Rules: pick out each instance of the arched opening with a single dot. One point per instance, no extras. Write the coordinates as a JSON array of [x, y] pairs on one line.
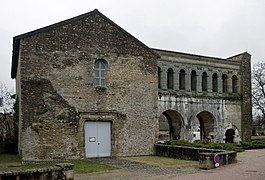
[[234, 83], [229, 135], [193, 80], [204, 81], [170, 124], [170, 78], [159, 76], [182, 79], [215, 82], [100, 72], [224, 79], [206, 126]]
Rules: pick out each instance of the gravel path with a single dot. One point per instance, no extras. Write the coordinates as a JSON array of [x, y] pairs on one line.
[[132, 170], [251, 165]]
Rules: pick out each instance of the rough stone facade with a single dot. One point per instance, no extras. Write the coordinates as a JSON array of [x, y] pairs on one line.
[[211, 99], [60, 88], [57, 91]]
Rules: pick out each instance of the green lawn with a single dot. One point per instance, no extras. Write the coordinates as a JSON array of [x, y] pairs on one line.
[[13, 162], [258, 137]]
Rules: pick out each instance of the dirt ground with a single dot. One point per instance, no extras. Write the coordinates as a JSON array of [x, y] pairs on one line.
[[251, 165]]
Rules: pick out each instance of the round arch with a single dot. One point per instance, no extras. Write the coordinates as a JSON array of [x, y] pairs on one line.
[[232, 134], [206, 125], [170, 125], [229, 135]]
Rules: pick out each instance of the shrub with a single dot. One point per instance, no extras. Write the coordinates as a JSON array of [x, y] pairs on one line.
[[222, 146]]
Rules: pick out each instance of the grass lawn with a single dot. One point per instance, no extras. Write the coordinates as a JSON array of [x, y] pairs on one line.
[[164, 161], [257, 137], [12, 162]]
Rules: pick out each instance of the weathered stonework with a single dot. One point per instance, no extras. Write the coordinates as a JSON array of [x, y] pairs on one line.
[[56, 87], [213, 112], [58, 92]]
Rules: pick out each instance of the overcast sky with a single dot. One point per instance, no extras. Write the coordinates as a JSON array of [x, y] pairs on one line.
[[219, 28]]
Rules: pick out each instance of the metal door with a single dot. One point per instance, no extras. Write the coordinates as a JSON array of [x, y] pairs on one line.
[[97, 139]]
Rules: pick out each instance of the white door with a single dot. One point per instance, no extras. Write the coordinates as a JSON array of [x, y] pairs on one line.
[[97, 139]]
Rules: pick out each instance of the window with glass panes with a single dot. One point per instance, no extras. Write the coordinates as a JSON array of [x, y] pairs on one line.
[[100, 73]]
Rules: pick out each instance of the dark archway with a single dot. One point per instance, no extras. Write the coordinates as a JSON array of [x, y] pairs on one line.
[[215, 82], [224, 79], [170, 78], [234, 84], [204, 81], [206, 120], [170, 124], [159, 77], [229, 135], [193, 80], [182, 79]]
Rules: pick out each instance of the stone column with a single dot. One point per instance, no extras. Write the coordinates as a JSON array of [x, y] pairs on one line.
[[188, 82], [164, 78], [176, 79], [199, 83]]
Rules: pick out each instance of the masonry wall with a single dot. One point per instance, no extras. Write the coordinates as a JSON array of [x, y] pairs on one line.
[[58, 92], [223, 111], [230, 109]]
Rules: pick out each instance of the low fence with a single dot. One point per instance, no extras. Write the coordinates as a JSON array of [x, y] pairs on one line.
[[208, 158], [63, 171]]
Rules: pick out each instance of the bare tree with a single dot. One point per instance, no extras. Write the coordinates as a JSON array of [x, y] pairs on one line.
[[258, 89], [8, 124], [6, 100], [7, 127]]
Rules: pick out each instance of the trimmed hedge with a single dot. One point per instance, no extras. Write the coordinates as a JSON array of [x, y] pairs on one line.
[[254, 144]]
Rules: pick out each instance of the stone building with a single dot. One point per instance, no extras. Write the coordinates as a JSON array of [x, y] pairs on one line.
[[87, 88], [204, 98]]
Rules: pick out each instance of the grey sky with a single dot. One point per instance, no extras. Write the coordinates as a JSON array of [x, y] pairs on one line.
[[219, 28]]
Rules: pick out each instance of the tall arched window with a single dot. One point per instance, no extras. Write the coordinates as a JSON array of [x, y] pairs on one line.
[[100, 72], [234, 84], [204, 81], [215, 82], [170, 78], [182, 79], [224, 79], [193, 80], [159, 77]]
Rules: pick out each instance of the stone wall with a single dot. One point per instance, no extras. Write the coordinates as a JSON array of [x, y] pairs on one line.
[[61, 171], [227, 101], [58, 84], [203, 155], [223, 112], [246, 97]]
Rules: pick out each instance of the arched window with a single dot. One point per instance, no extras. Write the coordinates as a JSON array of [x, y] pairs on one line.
[[204, 81], [193, 80], [234, 84], [215, 82], [170, 78], [159, 77], [182, 79], [100, 72], [224, 79]]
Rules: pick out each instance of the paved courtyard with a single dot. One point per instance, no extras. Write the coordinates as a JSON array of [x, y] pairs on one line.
[[251, 165]]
